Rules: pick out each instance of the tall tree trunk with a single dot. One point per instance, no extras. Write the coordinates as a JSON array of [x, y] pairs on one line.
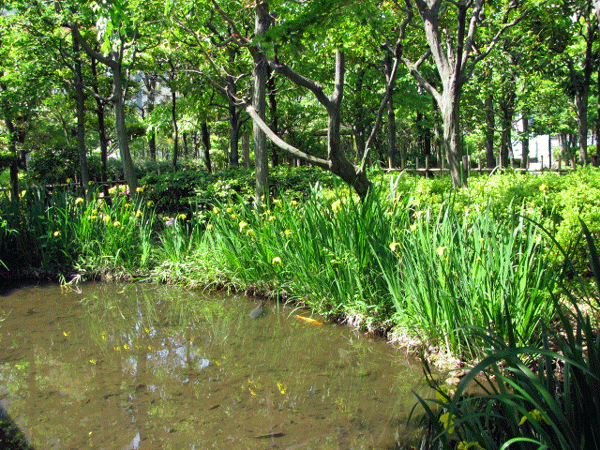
[[175, 129], [450, 118], [150, 83], [490, 121], [507, 107], [525, 139], [80, 96], [246, 149], [122, 135], [100, 105], [261, 25], [391, 114], [206, 146], [274, 119], [234, 134]]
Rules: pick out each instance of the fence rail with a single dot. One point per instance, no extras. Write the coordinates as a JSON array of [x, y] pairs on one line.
[[469, 167]]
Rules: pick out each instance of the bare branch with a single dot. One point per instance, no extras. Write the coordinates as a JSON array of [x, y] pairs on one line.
[[319, 162]]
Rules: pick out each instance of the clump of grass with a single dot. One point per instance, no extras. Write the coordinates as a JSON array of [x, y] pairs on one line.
[[528, 397], [448, 272]]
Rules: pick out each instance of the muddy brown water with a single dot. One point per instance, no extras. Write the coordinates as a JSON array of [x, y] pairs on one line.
[[107, 366]]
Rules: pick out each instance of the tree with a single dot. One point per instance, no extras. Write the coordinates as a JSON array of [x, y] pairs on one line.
[[455, 53]]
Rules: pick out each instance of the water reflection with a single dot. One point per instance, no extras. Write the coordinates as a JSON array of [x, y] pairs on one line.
[[152, 367]]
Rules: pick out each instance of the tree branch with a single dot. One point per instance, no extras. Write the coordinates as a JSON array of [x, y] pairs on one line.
[[319, 162]]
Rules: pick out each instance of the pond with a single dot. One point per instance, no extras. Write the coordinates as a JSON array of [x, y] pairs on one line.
[[143, 366]]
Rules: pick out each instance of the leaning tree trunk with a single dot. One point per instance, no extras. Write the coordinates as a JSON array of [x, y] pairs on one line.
[[525, 140]]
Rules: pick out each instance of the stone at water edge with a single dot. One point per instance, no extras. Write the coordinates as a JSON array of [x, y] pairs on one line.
[[256, 312]]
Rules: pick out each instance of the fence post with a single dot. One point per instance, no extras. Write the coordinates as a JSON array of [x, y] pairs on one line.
[[465, 161], [427, 167], [479, 165]]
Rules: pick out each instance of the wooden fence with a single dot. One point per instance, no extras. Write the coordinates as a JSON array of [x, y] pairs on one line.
[[469, 167]]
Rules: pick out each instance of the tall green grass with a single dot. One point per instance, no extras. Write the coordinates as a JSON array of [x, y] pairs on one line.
[[436, 275], [455, 271], [56, 231], [545, 397]]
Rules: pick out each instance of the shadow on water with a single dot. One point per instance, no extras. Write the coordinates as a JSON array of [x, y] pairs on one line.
[[155, 367], [11, 437]]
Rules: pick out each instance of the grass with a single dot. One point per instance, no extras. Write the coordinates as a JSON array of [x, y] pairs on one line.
[[545, 396]]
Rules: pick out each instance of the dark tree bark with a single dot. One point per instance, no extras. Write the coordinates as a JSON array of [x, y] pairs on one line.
[[507, 109], [175, 129], [271, 87], [581, 82], [80, 97], [490, 121], [102, 136], [150, 81], [206, 146], [391, 115], [525, 139], [262, 20]]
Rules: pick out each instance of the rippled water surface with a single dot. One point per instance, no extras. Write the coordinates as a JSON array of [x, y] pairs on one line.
[[110, 366]]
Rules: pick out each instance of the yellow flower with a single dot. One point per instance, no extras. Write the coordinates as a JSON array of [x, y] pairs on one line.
[[294, 203], [536, 415], [229, 210], [448, 421], [92, 361], [139, 190], [288, 233], [69, 180], [209, 227], [150, 203], [56, 233], [22, 194], [243, 225], [91, 183], [544, 187], [126, 347], [182, 216], [78, 201], [116, 224], [250, 232], [106, 219], [281, 388], [464, 445], [442, 250], [445, 393], [394, 246], [276, 260], [216, 210], [336, 206], [127, 205], [277, 202], [138, 213]]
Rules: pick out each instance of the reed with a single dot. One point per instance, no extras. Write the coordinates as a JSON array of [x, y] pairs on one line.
[[545, 396], [456, 271]]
